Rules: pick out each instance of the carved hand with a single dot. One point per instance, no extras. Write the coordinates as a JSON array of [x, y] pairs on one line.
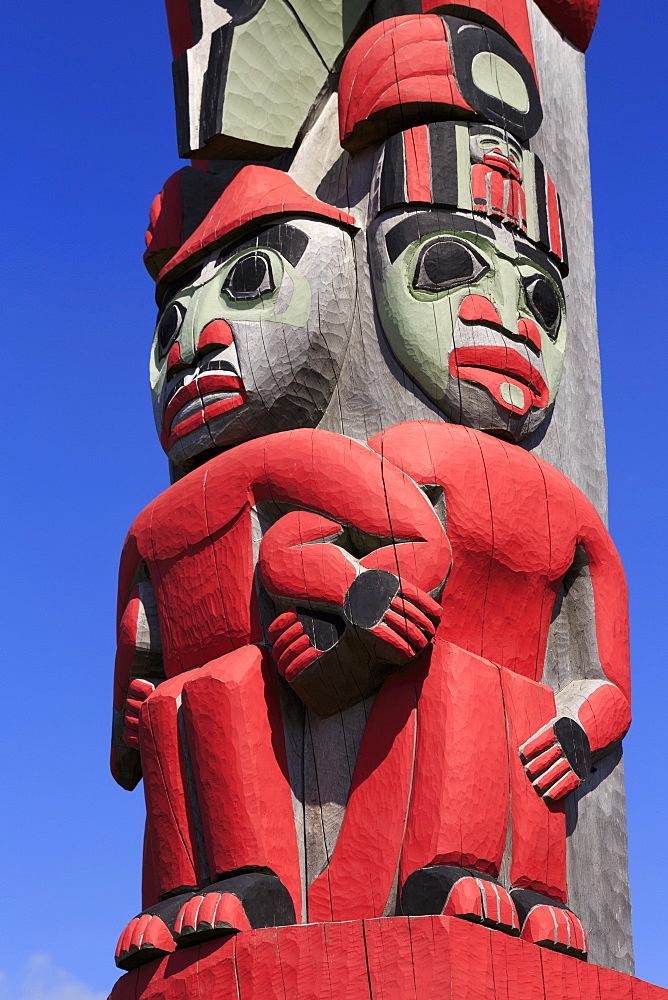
[[557, 758], [138, 692]]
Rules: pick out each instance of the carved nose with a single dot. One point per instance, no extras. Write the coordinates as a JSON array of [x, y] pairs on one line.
[[478, 309], [218, 333]]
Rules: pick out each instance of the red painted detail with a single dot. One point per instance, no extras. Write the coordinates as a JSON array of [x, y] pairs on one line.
[[173, 358], [200, 385], [180, 26], [396, 958], [217, 333], [575, 19], [604, 715], [478, 309], [494, 366], [483, 902], [554, 218], [145, 939], [502, 163], [163, 236], [418, 164], [497, 194], [555, 928], [479, 193], [510, 15], [399, 62], [527, 328], [255, 192], [211, 911]]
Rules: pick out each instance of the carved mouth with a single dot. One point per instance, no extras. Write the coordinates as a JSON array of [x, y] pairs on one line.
[[499, 370], [209, 394]]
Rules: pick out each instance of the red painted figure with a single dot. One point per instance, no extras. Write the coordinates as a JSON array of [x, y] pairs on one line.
[[518, 529], [208, 738]]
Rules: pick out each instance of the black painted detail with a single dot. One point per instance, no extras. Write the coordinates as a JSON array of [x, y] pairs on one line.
[[467, 40], [369, 597], [241, 10], [393, 175], [544, 304], [266, 901], [214, 85], [169, 327], [575, 744], [250, 278], [181, 102], [446, 263], [421, 224], [323, 629], [287, 240], [526, 899], [444, 166], [426, 891]]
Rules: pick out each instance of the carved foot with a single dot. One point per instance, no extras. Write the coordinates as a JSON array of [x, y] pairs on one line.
[[149, 935], [460, 892], [550, 924], [242, 902]]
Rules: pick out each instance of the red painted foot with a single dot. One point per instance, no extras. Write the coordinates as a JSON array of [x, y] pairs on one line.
[[460, 892], [550, 924], [145, 938], [210, 915], [483, 902]]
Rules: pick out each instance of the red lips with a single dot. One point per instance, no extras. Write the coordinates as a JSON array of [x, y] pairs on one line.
[[201, 386], [494, 366]]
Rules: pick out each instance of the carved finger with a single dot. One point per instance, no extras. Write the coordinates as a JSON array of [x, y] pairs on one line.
[[280, 624], [538, 743], [552, 775], [389, 636], [568, 783], [540, 763], [285, 639], [403, 606], [402, 626]]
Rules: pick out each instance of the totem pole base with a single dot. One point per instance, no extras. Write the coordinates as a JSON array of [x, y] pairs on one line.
[[394, 958]]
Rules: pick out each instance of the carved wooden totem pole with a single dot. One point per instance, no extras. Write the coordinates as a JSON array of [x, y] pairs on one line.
[[373, 645]]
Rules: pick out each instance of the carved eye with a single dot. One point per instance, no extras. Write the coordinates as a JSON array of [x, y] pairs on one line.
[[169, 326], [447, 263], [544, 304], [250, 278]]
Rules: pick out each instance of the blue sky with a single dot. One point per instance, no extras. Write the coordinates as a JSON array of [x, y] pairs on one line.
[[88, 140]]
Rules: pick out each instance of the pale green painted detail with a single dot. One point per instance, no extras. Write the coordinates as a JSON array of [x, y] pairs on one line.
[[463, 146], [274, 76], [529, 186], [496, 77], [329, 23], [207, 302], [419, 325], [512, 394]]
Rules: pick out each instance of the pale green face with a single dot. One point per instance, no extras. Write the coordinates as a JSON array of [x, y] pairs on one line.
[[476, 317], [251, 342]]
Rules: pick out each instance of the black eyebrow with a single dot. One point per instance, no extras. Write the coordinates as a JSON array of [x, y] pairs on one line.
[[287, 240], [536, 256], [423, 223]]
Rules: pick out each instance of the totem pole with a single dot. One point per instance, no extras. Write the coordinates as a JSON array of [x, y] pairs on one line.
[[373, 640]]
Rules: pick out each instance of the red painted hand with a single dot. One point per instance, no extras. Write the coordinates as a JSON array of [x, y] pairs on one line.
[[556, 758], [138, 692]]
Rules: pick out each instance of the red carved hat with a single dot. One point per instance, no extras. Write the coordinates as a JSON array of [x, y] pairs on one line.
[[418, 68], [251, 199]]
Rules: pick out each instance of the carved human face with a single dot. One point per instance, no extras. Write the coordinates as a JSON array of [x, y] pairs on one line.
[[251, 342], [475, 315]]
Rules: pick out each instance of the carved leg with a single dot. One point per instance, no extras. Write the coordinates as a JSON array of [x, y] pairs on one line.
[[234, 732], [460, 798]]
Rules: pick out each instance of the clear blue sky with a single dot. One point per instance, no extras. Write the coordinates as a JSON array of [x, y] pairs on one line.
[[88, 139]]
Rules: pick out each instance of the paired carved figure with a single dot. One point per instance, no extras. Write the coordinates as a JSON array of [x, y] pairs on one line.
[[293, 571]]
